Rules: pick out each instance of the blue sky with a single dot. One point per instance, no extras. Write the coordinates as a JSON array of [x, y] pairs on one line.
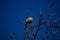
[[14, 12]]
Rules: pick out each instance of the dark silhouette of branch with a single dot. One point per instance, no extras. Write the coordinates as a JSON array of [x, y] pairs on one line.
[[26, 31], [39, 24]]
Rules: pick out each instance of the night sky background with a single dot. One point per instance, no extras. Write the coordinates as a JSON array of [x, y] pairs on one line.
[[14, 12]]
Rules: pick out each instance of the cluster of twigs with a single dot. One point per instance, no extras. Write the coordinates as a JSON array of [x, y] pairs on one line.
[[30, 34], [50, 25], [11, 36]]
